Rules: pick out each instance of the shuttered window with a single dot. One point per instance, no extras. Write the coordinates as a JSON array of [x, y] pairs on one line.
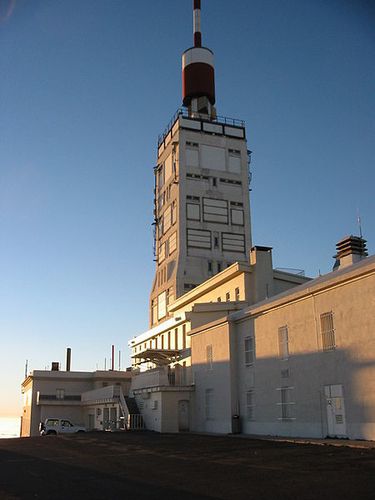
[[283, 342], [249, 350], [327, 331]]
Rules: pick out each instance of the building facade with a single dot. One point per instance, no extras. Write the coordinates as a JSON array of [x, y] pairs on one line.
[[235, 345]]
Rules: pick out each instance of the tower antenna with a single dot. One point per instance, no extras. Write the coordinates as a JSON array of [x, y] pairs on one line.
[[197, 34], [359, 222]]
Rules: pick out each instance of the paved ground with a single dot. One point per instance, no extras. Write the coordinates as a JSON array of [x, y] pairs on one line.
[[147, 466]]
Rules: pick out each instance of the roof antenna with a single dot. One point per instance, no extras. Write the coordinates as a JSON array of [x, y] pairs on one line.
[[359, 223]]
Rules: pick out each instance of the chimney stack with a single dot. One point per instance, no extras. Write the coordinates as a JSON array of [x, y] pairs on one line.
[[350, 250], [68, 358]]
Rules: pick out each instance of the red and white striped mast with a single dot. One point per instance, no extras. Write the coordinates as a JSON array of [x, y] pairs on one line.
[[197, 24], [198, 73]]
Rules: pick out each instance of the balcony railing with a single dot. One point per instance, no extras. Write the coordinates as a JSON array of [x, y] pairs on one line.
[[222, 120], [54, 399], [163, 377], [109, 393]]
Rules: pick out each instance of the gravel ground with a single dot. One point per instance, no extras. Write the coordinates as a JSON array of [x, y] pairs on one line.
[[146, 466]]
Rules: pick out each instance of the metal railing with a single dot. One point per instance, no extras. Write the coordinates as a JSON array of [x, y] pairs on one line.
[[184, 112], [135, 422]]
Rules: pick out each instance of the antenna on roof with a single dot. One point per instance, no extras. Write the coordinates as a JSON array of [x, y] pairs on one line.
[[359, 222], [26, 367]]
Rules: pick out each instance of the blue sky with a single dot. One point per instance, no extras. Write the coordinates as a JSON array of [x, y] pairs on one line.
[[86, 87]]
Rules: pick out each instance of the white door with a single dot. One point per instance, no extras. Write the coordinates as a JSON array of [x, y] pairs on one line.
[[336, 419], [183, 416]]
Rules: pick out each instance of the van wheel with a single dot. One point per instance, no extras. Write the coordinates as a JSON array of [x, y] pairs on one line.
[[80, 432], [51, 433]]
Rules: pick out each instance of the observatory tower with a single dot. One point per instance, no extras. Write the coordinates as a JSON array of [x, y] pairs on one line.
[[201, 206]]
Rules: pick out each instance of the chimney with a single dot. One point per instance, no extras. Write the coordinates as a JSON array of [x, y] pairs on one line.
[[68, 358], [350, 250], [55, 366]]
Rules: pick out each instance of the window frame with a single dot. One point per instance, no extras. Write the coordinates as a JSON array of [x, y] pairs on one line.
[[249, 354]]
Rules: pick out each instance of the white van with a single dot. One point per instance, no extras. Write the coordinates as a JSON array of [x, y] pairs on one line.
[[59, 426]]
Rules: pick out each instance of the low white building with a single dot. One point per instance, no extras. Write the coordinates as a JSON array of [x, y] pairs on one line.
[[94, 399]]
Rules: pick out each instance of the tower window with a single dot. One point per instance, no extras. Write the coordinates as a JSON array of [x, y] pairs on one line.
[[193, 211], [215, 210], [210, 266]]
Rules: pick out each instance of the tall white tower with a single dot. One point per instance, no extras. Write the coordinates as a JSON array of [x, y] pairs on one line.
[[202, 209]]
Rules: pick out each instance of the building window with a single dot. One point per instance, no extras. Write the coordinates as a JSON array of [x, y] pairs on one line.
[[283, 342], [162, 305], [227, 297], [209, 266], [216, 242], [60, 394], [174, 212], [209, 403], [219, 267], [199, 238], [167, 219], [250, 404], [328, 331], [176, 338], [237, 294], [193, 211], [162, 253], [172, 243], [233, 242], [209, 357], [237, 217], [249, 350], [161, 176], [183, 336], [169, 340], [286, 403], [219, 299], [215, 210]]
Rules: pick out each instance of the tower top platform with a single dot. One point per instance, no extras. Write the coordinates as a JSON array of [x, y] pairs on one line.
[[221, 125]]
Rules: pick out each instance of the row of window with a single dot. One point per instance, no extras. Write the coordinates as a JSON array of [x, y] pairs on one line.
[[285, 403], [328, 341], [173, 339], [213, 157], [213, 210], [202, 238], [213, 181], [168, 219], [167, 248]]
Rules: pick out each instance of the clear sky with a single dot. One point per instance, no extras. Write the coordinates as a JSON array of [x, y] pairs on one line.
[[86, 86]]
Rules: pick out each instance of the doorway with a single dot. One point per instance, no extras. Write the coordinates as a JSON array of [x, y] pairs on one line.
[[183, 416], [336, 420]]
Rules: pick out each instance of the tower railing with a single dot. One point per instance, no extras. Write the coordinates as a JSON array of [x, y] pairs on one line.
[[184, 112]]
